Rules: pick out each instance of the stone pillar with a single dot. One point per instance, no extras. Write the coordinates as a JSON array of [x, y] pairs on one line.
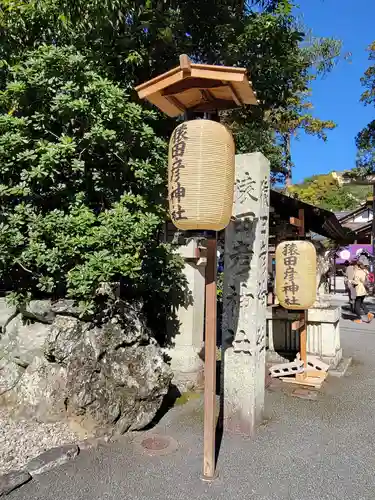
[[186, 363], [245, 296]]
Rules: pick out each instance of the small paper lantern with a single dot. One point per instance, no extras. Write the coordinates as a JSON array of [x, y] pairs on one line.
[[296, 274], [201, 175]]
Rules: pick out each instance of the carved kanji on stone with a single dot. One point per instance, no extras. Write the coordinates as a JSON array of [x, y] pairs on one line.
[[245, 188], [246, 265]]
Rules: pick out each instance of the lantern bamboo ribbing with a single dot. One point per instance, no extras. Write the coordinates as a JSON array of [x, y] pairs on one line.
[[201, 171]]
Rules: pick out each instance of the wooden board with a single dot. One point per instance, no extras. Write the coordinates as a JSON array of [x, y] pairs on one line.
[[308, 381], [311, 378]]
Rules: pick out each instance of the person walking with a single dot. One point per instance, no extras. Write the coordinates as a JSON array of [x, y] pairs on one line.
[[348, 278], [359, 282]]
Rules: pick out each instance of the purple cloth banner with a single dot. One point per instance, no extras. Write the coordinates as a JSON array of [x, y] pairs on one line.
[[351, 252]]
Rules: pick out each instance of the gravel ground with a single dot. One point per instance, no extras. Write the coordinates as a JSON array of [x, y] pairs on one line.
[[21, 440]]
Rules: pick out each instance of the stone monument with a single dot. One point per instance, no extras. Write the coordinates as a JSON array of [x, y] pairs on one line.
[[245, 296]]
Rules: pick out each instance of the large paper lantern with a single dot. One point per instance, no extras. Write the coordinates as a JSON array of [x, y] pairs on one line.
[[296, 274], [201, 175]]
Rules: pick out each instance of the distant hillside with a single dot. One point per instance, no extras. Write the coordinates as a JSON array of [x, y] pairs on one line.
[[325, 191]]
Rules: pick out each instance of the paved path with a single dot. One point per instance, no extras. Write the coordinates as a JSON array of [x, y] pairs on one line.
[[306, 450]]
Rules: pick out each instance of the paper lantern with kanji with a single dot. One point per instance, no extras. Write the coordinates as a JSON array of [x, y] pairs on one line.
[[296, 274], [201, 170]]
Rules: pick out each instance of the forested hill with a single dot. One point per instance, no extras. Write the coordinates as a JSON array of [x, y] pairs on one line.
[[326, 191]]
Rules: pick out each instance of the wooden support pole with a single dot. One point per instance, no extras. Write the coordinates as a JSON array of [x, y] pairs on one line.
[[302, 323], [303, 340], [301, 218], [210, 363]]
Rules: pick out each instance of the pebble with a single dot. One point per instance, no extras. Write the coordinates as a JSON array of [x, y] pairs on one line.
[[21, 440]]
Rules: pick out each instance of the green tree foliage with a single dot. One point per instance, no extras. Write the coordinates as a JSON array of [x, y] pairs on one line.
[[82, 182], [131, 42], [82, 163], [365, 140], [325, 191]]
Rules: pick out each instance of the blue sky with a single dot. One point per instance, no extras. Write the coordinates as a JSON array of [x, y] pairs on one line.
[[336, 97]]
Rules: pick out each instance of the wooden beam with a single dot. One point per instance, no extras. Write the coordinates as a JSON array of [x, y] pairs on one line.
[[301, 216], [235, 96], [159, 83], [224, 69], [298, 324], [164, 105], [185, 65], [295, 222], [213, 105], [206, 95], [173, 99], [190, 83], [300, 222], [303, 341], [217, 72]]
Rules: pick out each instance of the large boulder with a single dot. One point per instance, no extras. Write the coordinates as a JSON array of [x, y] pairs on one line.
[[22, 337], [112, 378]]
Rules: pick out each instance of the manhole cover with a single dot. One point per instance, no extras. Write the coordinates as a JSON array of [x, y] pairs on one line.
[[156, 444]]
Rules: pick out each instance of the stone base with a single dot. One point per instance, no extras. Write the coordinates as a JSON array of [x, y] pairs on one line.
[[341, 368], [323, 335], [187, 368], [244, 389], [333, 361]]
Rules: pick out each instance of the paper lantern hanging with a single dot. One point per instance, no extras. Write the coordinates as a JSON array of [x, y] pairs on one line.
[[296, 274], [201, 171]]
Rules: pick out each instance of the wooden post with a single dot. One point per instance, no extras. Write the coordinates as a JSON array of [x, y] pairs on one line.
[[301, 218], [300, 223], [210, 363], [303, 341], [372, 266]]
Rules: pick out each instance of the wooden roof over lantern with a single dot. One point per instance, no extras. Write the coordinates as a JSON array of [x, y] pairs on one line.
[[198, 87]]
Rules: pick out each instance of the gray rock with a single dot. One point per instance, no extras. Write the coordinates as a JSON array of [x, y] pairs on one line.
[[23, 340], [64, 307], [41, 390], [6, 312], [110, 378], [52, 458], [123, 390], [13, 480], [93, 443], [64, 335], [10, 373], [41, 309]]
